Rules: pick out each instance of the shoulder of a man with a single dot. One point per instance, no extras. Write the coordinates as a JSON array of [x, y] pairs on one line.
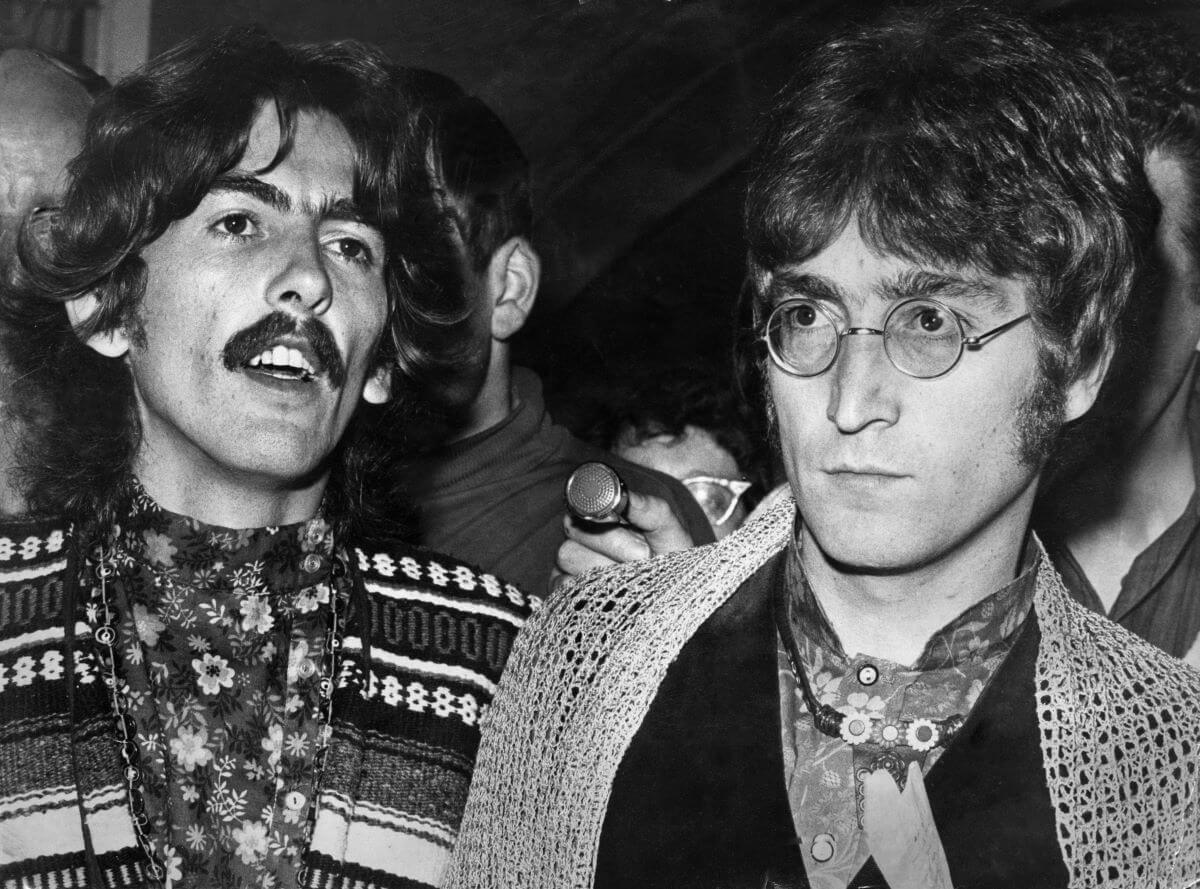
[[435, 608], [33, 561], [33, 553], [1133, 653], [1117, 718], [1132, 684]]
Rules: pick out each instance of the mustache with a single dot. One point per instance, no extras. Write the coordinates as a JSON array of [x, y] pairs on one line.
[[249, 342]]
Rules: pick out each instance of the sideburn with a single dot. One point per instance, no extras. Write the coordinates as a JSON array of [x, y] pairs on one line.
[[1040, 418]]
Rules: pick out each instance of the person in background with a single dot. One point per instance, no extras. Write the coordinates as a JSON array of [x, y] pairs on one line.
[[883, 683], [218, 664], [44, 102], [1124, 529], [493, 494], [685, 421]]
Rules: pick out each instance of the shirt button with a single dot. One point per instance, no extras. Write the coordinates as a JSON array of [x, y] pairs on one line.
[[867, 675], [306, 668], [295, 800], [311, 563], [822, 847]]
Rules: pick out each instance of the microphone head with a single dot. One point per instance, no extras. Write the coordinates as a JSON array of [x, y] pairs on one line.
[[595, 493]]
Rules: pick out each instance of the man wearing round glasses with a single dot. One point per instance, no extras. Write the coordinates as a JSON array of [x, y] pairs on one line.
[[883, 683], [923, 338]]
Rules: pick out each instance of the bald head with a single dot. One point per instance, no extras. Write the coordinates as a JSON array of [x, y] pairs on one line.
[[42, 113]]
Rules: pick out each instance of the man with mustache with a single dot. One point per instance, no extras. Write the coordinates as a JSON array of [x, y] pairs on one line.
[[217, 665], [884, 682]]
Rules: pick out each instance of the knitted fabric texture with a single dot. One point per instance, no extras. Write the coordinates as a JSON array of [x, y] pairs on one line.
[[1117, 717], [399, 762]]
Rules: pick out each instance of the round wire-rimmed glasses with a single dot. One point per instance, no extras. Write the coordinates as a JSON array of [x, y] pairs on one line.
[[921, 337]]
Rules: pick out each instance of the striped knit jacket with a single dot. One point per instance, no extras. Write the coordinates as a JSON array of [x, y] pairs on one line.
[[399, 764]]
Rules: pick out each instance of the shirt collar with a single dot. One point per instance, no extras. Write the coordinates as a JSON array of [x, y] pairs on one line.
[[258, 560], [968, 636]]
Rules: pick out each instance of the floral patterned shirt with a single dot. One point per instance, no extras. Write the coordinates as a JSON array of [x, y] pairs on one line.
[[221, 636], [823, 773]]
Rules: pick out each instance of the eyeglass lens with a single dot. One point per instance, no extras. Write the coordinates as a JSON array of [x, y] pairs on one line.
[[716, 500], [921, 337]]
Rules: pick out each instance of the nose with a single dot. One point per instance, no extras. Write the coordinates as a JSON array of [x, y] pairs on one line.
[[862, 391], [302, 282]]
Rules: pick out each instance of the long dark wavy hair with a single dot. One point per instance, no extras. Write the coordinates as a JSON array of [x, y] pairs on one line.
[[153, 147]]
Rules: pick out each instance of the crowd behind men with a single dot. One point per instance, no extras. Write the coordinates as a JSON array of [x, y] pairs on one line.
[[492, 493], [274, 475]]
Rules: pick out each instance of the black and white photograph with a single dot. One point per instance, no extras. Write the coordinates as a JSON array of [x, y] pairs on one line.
[[599, 444]]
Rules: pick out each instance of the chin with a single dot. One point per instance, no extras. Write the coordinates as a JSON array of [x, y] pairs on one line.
[[284, 467], [866, 544]]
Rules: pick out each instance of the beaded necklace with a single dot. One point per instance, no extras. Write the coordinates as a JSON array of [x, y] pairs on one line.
[[103, 562], [919, 734]]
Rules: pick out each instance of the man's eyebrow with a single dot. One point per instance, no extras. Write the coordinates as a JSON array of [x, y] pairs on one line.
[[338, 208], [243, 183], [344, 210], [790, 283], [942, 285]]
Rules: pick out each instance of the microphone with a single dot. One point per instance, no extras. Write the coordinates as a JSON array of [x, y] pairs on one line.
[[595, 493]]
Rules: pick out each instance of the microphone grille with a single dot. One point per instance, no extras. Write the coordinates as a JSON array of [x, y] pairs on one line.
[[594, 491]]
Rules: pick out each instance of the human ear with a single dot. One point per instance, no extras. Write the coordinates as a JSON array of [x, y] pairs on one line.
[[514, 273], [1081, 394], [378, 388], [109, 343]]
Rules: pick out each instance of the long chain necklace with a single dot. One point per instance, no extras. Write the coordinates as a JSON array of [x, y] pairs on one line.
[[104, 566]]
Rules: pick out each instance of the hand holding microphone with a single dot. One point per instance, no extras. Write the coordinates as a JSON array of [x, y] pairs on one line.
[[607, 523]]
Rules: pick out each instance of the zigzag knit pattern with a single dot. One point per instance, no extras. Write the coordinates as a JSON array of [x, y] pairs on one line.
[[405, 732], [1118, 718]]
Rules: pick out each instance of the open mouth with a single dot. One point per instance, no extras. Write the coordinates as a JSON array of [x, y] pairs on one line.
[[283, 363], [279, 349]]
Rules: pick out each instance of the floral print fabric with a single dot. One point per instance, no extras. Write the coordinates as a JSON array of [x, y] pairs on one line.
[[823, 774], [221, 636]]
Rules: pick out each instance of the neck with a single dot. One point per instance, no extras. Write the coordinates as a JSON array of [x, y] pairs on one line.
[[494, 402], [1153, 484], [893, 616], [230, 502]]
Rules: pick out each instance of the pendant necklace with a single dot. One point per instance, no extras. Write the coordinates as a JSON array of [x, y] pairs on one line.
[[919, 734]]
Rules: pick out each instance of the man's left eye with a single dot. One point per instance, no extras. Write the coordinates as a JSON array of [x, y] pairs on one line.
[[353, 249]]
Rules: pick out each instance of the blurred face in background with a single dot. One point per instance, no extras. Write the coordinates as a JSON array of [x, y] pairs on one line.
[[42, 113], [694, 457]]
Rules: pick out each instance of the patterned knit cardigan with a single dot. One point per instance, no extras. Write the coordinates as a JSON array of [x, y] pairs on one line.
[[1119, 722], [399, 765]]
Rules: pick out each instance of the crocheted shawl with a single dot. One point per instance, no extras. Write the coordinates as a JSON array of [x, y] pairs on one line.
[[1120, 732]]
